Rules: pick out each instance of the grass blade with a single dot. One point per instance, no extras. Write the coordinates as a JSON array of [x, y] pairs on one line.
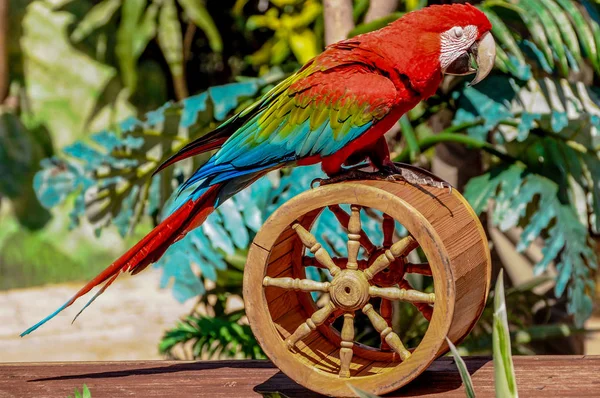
[[462, 369], [504, 372]]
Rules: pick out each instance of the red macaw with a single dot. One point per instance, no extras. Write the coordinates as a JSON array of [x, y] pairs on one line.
[[335, 110]]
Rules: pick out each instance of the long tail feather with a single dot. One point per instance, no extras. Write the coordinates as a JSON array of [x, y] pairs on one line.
[[192, 149], [106, 285], [187, 217]]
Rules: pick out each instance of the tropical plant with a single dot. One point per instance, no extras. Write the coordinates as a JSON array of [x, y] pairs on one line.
[[85, 393], [535, 120], [297, 30]]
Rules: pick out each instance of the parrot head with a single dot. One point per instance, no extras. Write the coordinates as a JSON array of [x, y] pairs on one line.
[[452, 39]]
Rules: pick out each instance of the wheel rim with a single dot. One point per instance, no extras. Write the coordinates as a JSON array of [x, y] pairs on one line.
[[303, 353]]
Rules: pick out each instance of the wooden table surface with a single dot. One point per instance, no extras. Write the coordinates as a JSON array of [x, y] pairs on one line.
[[537, 376]]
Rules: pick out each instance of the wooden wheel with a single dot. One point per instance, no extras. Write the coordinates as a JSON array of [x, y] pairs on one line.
[[300, 337]]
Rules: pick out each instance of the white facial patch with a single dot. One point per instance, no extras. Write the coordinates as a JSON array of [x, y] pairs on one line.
[[455, 41]]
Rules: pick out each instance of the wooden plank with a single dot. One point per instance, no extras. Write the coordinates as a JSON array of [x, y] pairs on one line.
[[537, 376]]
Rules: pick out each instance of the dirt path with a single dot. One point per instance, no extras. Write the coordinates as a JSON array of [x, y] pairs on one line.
[[125, 323]]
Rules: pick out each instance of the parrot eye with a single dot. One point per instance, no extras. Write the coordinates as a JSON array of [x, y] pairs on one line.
[[457, 31], [454, 43]]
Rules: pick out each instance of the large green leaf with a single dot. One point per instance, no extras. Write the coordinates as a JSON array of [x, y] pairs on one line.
[[556, 31], [112, 171], [521, 197], [63, 84]]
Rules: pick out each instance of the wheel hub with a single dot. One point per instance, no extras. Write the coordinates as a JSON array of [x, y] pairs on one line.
[[350, 290]]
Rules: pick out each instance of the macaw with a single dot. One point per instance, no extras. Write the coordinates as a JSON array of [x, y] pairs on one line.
[[334, 110]]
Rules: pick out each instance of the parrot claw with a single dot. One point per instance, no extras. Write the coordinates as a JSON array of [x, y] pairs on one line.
[[415, 176], [318, 181], [393, 172], [348, 175], [414, 179]]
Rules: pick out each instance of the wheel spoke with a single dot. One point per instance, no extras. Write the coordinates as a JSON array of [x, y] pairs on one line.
[[315, 247], [386, 332], [409, 296], [386, 311], [344, 219], [388, 226], [400, 248], [339, 261], [354, 230], [425, 309], [316, 319], [422, 268], [347, 344], [305, 285]]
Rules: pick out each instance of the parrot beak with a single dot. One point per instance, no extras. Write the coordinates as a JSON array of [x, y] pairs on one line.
[[486, 57], [478, 59]]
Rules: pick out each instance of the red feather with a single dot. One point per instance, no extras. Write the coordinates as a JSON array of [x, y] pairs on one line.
[[190, 215]]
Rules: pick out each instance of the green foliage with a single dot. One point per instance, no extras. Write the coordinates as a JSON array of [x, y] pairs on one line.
[[292, 22], [112, 171], [21, 150], [85, 393], [504, 371], [513, 189], [214, 337], [559, 32], [541, 132], [63, 85], [140, 22], [462, 369]]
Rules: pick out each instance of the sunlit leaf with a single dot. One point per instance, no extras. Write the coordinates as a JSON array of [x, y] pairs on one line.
[[304, 45], [567, 244], [170, 39], [98, 16], [196, 11], [504, 372], [462, 370]]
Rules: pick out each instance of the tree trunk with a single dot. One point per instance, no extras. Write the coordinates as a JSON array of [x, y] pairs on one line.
[[337, 15], [380, 8], [4, 80]]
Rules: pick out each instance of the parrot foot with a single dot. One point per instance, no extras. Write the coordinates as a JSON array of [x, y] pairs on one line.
[[348, 175], [414, 175], [390, 172]]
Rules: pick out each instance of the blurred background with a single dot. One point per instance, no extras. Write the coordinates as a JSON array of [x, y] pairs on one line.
[[95, 94]]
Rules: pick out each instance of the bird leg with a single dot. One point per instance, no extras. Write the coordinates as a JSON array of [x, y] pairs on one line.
[[380, 157], [385, 169]]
